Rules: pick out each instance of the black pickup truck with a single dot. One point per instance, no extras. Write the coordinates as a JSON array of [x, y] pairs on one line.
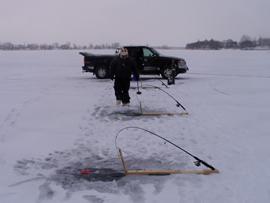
[[148, 60]]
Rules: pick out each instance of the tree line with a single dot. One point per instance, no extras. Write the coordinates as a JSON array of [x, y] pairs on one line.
[[245, 42], [55, 46]]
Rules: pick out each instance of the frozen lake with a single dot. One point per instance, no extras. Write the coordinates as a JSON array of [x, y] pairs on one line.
[[54, 118]]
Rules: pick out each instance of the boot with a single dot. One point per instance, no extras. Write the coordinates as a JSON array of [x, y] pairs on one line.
[[118, 102], [125, 104]]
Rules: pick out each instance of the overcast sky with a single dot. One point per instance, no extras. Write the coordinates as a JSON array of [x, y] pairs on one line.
[[154, 22]]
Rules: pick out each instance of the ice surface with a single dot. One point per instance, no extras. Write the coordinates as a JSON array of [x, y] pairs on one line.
[[53, 117]]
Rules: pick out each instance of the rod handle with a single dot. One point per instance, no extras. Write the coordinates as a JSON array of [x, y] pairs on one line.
[[204, 163]]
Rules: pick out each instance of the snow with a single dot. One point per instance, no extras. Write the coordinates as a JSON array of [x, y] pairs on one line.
[[54, 118]]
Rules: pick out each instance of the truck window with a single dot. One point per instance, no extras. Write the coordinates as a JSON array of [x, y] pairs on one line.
[[147, 52]]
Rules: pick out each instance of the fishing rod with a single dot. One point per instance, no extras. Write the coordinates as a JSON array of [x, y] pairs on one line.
[[198, 161], [160, 81], [163, 83], [178, 104]]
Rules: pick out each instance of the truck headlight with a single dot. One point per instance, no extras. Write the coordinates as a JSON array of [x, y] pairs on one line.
[[182, 62]]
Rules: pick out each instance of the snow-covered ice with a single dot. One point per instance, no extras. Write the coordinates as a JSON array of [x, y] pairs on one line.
[[56, 120]]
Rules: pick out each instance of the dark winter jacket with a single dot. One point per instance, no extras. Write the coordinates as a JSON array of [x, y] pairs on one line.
[[123, 68]]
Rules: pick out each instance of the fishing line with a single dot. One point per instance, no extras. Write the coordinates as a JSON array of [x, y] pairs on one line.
[[163, 83]]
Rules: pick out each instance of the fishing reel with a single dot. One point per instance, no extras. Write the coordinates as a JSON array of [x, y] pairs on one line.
[[197, 163]]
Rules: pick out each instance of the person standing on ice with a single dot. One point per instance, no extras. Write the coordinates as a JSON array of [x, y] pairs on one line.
[[122, 67]]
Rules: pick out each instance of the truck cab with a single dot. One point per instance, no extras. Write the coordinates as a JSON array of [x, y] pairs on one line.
[[146, 59]]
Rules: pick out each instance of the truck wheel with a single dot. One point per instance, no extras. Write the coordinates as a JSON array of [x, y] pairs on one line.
[[101, 72], [164, 73]]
